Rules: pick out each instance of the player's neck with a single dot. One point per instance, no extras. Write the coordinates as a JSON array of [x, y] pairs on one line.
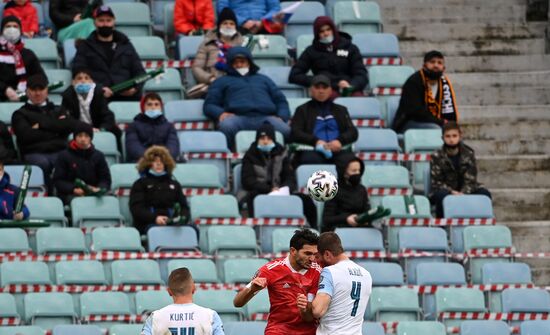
[[342, 257], [184, 299]]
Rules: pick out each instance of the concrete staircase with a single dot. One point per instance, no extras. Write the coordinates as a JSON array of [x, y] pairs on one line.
[[497, 62]]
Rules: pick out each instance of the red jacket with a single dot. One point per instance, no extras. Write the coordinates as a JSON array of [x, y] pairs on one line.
[[192, 15], [26, 13]]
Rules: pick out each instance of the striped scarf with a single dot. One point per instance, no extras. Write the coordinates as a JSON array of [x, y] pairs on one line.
[[11, 54], [443, 106]]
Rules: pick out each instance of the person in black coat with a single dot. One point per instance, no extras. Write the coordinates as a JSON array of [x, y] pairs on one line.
[[81, 161], [334, 55], [16, 62], [150, 128], [66, 12], [110, 57], [84, 100], [8, 155], [155, 197], [324, 125], [350, 201]]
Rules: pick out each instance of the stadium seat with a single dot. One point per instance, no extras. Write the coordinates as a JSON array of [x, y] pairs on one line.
[[525, 300], [69, 51], [106, 143], [76, 329], [357, 17], [275, 54], [14, 240], [377, 44], [149, 47], [136, 272], [149, 301], [202, 270], [303, 172], [123, 176], [361, 239], [421, 141], [8, 308], [373, 328], [385, 76], [116, 239], [122, 329], [245, 138], [195, 175], [188, 46], [421, 328], [132, 18], [168, 85], [36, 183], [7, 109], [384, 274], [125, 111], [245, 327], [47, 208], [94, 211], [260, 304], [237, 186], [294, 103], [458, 300], [14, 273], [226, 206], [361, 107], [221, 301], [241, 270], [185, 111], [485, 327], [391, 104], [169, 30], [279, 75], [80, 273], [172, 238], [104, 303], [376, 140], [46, 51], [302, 43], [47, 310], [55, 75], [301, 21], [239, 240], [503, 273], [393, 304], [60, 240], [21, 330], [384, 176], [538, 327]]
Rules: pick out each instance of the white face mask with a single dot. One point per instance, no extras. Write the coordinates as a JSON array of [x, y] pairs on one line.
[[12, 34], [243, 70], [228, 32]]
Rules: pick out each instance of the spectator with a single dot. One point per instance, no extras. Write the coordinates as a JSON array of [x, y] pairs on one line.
[[323, 124], [266, 168], [150, 128], [244, 99], [453, 169], [251, 13], [81, 161], [109, 56], [84, 100], [8, 155], [69, 18], [427, 99], [16, 62], [8, 198], [334, 55], [155, 197], [26, 13], [193, 17], [41, 127], [210, 60]]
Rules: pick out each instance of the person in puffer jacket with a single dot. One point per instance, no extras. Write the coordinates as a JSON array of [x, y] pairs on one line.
[[8, 198]]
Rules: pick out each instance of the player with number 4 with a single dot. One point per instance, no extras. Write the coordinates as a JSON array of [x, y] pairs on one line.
[[343, 294]]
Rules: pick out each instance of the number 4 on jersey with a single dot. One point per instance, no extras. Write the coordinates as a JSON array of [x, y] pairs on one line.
[[355, 296], [182, 331]]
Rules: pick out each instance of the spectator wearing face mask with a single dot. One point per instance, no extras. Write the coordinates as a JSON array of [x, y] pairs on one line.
[[16, 62], [193, 17], [24, 11], [150, 128]]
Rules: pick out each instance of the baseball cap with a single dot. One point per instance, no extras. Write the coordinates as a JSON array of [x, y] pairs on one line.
[[104, 10], [320, 79]]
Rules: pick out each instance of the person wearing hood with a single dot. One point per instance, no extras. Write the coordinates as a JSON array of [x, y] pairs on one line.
[[244, 98], [17, 63], [110, 57], [150, 128], [350, 201], [81, 161], [427, 98], [67, 16], [193, 16], [453, 169], [156, 196], [334, 55], [8, 198], [24, 11]]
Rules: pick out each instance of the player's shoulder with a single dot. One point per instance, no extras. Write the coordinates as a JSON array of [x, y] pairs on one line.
[[315, 268], [275, 264]]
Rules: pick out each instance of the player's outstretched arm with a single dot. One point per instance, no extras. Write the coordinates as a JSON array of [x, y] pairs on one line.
[[319, 305], [247, 293]]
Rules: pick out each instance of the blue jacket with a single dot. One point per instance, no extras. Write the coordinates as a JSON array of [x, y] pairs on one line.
[[8, 197], [250, 9], [253, 94], [145, 132]]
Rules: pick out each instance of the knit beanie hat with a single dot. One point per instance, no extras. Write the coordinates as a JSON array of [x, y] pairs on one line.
[[11, 18], [82, 127], [266, 129], [150, 96], [226, 14]]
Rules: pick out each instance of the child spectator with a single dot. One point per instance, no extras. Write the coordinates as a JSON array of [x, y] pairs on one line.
[[193, 17], [8, 198], [26, 13]]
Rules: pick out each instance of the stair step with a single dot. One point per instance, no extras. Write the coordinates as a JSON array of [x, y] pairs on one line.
[[484, 114], [488, 63], [520, 171], [501, 79], [455, 14], [506, 129], [510, 147], [503, 95], [527, 46], [521, 204], [431, 3]]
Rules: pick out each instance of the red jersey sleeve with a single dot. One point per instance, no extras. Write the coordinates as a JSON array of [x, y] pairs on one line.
[[263, 272]]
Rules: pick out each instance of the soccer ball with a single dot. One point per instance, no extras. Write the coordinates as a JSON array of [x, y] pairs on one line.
[[322, 185]]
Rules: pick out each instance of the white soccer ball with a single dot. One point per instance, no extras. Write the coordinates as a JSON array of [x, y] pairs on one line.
[[322, 185]]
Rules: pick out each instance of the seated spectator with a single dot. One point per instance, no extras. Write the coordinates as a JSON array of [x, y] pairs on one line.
[[71, 20], [81, 170], [244, 98], [41, 127], [427, 98], [16, 62], [156, 196], [453, 169], [193, 17], [324, 125], [8, 155], [84, 100], [251, 13], [334, 55], [26, 13], [210, 60], [150, 128], [8, 198], [110, 57], [266, 168]]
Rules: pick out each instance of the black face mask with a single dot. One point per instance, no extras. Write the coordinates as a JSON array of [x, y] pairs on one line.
[[433, 75], [452, 147], [105, 31], [355, 179]]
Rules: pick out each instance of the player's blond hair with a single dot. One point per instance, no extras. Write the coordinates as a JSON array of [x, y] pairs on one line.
[[180, 282], [330, 241]]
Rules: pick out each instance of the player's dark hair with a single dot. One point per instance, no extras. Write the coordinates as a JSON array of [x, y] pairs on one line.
[[330, 241], [302, 237], [451, 125], [180, 282]]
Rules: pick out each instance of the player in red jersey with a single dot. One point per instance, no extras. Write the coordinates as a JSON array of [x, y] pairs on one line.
[[285, 278]]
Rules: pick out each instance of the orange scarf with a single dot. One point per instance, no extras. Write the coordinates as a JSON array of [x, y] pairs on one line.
[[444, 105]]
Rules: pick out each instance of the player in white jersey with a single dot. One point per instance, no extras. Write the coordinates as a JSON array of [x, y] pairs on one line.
[[344, 291], [183, 317]]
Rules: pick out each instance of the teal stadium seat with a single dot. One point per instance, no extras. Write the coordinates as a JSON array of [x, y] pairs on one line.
[[202, 270], [226, 206], [46, 51], [303, 172], [275, 54], [245, 327], [538, 327], [169, 29], [390, 108], [168, 85], [47, 208], [55, 75], [96, 211], [485, 327], [421, 328], [60, 240], [377, 140], [525, 300], [149, 301], [294, 103], [373, 328], [7, 109], [387, 76], [241, 270], [47, 310], [123, 176], [385, 176], [104, 303], [149, 47], [36, 183], [301, 21], [76, 329], [279, 75], [14, 240], [458, 300], [361, 239], [221, 301], [8, 308], [185, 111], [187, 47], [245, 138], [361, 107], [302, 43], [136, 272], [384, 274], [21, 330], [14, 273], [196, 175], [69, 51], [503, 273], [116, 239], [421, 141], [377, 44], [393, 304], [122, 329], [80, 273], [125, 111], [357, 17], [259, 304], [280, 239], [172, 238], [240, 240], [132, 18], [106, 143]]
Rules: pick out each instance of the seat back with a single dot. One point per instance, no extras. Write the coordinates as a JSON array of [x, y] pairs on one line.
[[132, 18], [116, 239], [149, 47], [244, 327], [284, 206], [241, 270], [104, 303], [279, 75], [14, 240], [203, 141], [25, 273], [6, 111], [231, 239], [377, 44], [423, 238], [275, 54], [385, 76], [48, 309], [46, 208], [106, 143], [384, 274], [122, 329], [80, 273], [62, 75], [172, 238], [439, 273], [36, 182], [525, 300], [245, 138], [184, 110], [421, 328], [203, 270], [45, 50], [219, 300], [69, 51], [60, 240], [360, 239], [485, 327], [150, 301], [8, 307], [136, 272], [301, 21], [393, 303], [373, 328], [303, 172], [538, 327], [188, 46], [168, 85], [361, 107], [196, 175], [357, 16], [459, 300], [125, 111], [76, 329], [506, 273], [376, 140], [226, 206], [96, 211], [18, 330]]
